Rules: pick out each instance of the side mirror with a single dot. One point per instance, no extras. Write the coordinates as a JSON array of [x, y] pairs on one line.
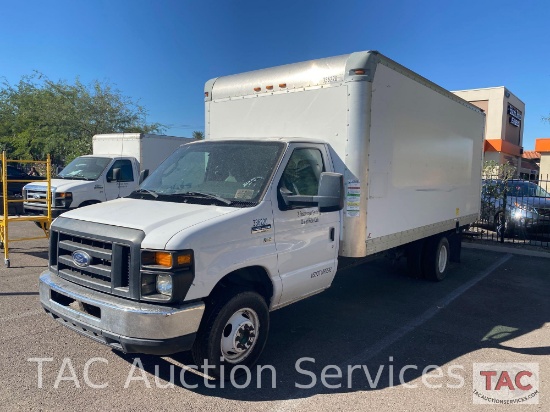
[[330, 197], [114, 176], [331, 192], [143, 175]]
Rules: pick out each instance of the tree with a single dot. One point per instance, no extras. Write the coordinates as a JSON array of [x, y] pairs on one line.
[[198, 135], [495, 192], [40, 116]]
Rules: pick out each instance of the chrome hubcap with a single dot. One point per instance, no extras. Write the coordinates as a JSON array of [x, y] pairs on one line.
[[442, 264], [239, 335]]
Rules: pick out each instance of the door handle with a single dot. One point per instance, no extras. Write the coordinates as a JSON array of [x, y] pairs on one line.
[[331, 234]]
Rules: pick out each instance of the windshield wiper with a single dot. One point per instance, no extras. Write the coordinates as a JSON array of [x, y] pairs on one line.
[[146, 191], [205, 195]]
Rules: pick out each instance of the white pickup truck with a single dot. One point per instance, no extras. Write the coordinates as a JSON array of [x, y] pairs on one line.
[[118, 163], [304, 165]]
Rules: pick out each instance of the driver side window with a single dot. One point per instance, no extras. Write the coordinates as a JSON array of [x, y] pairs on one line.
[[302, 173], [126, 173]]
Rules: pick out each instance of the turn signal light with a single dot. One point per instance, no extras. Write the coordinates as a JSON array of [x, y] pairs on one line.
[[167, 259]]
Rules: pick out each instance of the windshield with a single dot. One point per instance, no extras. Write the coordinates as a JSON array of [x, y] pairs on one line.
[[233, 172], [85, 168], [526, 189]]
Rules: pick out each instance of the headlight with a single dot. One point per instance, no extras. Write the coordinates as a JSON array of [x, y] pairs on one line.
[[166, 276], [525, 207], [64, 195], [63, 199], [164, 284]]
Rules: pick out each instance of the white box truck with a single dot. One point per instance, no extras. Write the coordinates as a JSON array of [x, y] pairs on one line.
[[114, 170], [305, 167]]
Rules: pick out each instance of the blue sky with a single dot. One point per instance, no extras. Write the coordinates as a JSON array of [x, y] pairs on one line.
[[161, 52]]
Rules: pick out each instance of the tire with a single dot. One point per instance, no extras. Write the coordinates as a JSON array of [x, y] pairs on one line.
[[242, 314], [435, 260], [39, 225]]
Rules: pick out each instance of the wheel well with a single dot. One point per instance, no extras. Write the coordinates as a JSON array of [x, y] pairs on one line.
[[253, 277], [89, 202]]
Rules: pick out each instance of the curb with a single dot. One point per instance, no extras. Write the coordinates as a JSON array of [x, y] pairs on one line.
[[504, 249]]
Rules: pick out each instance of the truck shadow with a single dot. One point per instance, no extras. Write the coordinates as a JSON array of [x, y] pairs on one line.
[[373, 320]]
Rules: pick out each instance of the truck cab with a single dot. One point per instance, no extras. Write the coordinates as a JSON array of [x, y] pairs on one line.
[[258, 221], [118, 163], [85, 181]]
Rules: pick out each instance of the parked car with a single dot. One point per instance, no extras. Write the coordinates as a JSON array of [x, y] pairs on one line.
[[527, 207]]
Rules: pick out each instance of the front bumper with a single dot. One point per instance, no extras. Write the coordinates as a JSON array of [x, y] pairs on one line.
[[31, 209], [132, 327], [531, 223]]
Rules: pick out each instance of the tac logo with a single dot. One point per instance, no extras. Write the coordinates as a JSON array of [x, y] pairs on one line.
[[506, 383]]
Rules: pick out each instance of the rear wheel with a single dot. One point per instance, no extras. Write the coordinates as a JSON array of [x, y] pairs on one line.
[[435, 260], [233, 333]]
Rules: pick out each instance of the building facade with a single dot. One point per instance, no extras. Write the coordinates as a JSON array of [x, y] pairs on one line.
[[543, 147], [503, 124]]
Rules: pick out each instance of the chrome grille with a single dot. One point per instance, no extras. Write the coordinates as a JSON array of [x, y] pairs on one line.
[[114, 256], [100, 268]]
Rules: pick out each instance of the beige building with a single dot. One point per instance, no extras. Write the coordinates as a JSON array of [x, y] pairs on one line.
[[543, 147], [503, 124]]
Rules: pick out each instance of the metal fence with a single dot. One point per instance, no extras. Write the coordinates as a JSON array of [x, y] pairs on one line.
[[514, 211]]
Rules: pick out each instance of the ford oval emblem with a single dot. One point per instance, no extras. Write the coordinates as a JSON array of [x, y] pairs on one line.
[[81, 258]]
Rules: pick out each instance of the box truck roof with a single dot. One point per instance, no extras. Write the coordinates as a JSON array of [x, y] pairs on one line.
[[358, 66], [274, 139]]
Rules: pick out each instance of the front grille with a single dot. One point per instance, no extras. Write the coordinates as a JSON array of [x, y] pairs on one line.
[[100, 268], [544, 212], [35, 194], [110, 261]]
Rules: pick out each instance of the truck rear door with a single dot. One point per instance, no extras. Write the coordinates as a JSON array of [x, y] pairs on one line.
[[306, 240]]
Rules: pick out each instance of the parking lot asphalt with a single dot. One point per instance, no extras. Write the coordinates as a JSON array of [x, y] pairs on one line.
[[378, 329]]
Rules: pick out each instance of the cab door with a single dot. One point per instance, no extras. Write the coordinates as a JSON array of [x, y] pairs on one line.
[[306, 240], [126, 182]]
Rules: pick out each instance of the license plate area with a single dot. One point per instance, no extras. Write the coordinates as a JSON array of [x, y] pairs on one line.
[[85, 308]]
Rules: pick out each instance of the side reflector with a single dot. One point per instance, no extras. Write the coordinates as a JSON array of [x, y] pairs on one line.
[[205, 94], [183, 259], [269, 87], [282, 85], [359, 71], [257, 89]]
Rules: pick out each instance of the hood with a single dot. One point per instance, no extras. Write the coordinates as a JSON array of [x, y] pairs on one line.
[[159, 220], [58, 185]]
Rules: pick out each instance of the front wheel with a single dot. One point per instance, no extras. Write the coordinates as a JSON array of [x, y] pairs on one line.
[[233, 333]]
